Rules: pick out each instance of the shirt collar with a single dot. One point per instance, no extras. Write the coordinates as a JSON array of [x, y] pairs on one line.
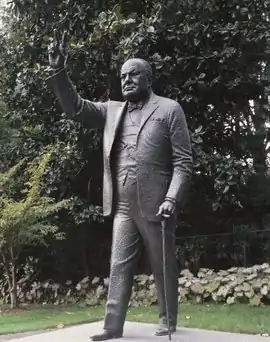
[[138, 105], [133, 106]]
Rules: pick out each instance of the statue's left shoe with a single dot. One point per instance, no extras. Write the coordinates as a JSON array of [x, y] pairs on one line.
[[107, 335], [163, 330]]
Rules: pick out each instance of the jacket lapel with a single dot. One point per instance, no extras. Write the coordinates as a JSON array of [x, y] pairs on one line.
[[119, 111], [148, 110], [118, 117]]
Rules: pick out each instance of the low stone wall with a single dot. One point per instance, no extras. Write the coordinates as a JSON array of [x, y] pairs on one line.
[[249, 285]]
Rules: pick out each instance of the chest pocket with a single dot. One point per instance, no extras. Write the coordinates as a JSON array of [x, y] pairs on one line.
[[157, 129], [157, 119]]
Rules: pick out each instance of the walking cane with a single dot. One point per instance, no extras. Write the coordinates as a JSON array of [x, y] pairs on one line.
[[163, 227]]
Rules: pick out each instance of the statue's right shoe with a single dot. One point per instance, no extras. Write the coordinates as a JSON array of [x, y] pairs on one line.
[[107, 335]]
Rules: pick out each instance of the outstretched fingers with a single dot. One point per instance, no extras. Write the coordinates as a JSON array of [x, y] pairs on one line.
[[56, 37], [64, 40]]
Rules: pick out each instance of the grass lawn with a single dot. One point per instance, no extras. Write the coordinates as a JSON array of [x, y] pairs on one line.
[[236, 318]]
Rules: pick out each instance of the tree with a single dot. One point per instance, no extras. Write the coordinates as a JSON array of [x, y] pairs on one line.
[[211, 56], [24, 213]]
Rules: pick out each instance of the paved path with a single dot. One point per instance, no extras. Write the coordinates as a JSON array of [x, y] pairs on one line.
[[10, 337], [140, 332]]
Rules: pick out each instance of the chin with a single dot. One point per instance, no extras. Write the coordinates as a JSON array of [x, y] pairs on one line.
[[132, 96]]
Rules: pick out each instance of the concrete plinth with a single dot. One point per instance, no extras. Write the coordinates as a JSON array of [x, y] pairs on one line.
[[136, 332]]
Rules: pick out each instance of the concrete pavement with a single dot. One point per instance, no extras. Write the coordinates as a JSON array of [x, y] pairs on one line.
[[10, 337], [135, 332]]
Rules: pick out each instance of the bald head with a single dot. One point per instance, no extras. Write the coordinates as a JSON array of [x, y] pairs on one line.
[[136, 79], [141, 63]]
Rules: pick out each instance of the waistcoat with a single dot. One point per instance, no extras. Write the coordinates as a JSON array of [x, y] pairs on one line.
[[126, 163]]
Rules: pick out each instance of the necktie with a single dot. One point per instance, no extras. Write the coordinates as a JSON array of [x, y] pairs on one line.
[[133, 106]]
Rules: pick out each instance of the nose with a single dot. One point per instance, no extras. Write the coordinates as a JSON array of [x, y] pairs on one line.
[[127, 79]]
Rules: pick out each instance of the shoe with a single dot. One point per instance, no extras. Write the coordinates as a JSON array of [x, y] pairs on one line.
[[107, 335], [163, 330]]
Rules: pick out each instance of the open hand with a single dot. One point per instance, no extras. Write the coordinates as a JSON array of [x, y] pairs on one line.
[[57, 51]]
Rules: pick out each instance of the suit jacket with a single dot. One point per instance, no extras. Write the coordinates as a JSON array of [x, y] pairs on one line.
[[164, 155]]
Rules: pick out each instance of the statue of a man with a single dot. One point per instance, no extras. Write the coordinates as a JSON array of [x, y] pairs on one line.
[[147, 168]]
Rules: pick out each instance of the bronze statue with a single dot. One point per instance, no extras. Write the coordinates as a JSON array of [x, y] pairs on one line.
[[147, 169]]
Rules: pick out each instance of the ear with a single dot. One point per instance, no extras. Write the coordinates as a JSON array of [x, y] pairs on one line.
[[149, 78]]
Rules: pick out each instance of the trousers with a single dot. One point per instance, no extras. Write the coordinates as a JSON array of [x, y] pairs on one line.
[[131, 231]]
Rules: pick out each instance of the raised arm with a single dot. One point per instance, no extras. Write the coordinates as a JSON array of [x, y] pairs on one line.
[[91, 114]]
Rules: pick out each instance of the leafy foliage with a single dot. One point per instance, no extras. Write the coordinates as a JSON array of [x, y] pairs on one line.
[[24, 219], [211, 56]]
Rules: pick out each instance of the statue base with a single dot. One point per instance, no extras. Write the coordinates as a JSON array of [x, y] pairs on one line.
[[136, 332]]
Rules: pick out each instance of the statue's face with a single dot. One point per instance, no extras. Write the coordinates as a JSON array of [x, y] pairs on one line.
[[134, 81]]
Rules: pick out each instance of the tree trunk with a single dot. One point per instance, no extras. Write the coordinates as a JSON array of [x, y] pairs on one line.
[[7, 272], [13, 299], [259, 155], [84, 252], [259, 161], [9, 263], [13, 291]]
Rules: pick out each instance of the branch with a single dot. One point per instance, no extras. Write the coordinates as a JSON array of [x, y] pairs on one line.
[[13, 268], [6, 270]]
